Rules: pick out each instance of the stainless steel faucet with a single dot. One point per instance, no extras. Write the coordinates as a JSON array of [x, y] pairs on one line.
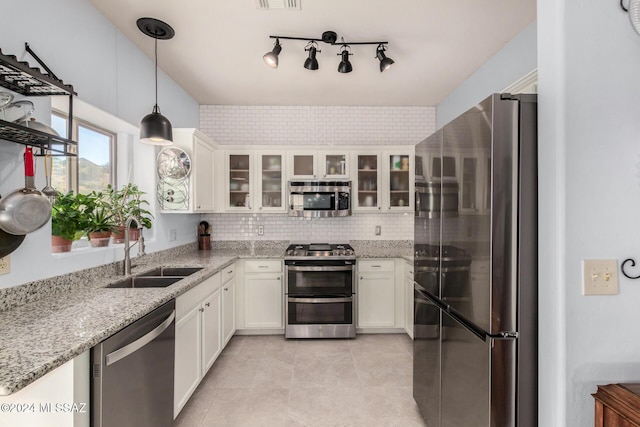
[[127, 248]]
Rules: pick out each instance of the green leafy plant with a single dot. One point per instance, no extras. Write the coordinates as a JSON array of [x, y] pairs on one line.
[[69, 215], [128, 202], [99, 215]]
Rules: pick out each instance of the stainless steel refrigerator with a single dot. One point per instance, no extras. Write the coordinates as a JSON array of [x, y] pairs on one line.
[[475, 290]]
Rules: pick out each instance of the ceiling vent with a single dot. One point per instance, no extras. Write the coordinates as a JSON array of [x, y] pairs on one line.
[[278, 4]]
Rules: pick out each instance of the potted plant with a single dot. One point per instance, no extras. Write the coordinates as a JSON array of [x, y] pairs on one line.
[[128, 202], [99, 219], [68, 220]]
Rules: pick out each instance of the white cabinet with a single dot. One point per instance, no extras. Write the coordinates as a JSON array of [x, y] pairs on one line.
[[198, 337], [228, 303], [367, 182], [319, 165], [398, 181], [263, 294], [254, 181], [376, 293], [408, 298], [195, 192], [68, 384]]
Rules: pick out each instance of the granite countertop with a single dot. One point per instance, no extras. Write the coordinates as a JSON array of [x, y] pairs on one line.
[[40, 336], [49, 322]]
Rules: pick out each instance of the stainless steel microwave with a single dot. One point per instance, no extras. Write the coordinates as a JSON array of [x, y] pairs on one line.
[[319, 199], [435, 199]]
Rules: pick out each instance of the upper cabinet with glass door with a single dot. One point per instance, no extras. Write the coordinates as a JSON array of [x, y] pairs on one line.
[[399, 184], [318, 165], [366, 182], [238, 181], [270, 182]]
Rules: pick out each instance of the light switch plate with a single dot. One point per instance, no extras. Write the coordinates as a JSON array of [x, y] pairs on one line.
[[599, 277], [260, 230], [5, 265]]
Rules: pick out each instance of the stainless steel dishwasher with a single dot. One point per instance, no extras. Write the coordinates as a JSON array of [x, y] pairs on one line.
[[132, 378]]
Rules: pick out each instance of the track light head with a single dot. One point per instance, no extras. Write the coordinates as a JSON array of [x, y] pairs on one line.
[[271, 58], [311, 63], [385, 62], [345, 65]]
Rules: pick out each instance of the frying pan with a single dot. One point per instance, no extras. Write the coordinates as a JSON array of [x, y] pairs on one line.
[[9, 242], [26, 210]]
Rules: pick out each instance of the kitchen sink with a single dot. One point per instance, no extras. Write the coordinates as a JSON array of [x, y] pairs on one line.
[[145, 282], [171, 271]]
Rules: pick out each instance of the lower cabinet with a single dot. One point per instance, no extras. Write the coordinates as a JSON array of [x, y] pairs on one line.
[[228, 303], [263, 294], [408, 298], [376, 293], [198, 337]]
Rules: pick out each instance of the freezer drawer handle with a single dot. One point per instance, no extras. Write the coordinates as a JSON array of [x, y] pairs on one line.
[[125, 351], [321, 268]]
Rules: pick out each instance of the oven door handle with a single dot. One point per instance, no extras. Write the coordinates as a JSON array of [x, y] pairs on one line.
[[321, 268], [321, 300]]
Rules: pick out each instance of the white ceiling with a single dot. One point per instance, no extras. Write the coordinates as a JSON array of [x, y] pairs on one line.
[[216, 55]]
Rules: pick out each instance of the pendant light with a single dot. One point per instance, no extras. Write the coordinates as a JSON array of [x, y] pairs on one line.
[[155, 129], [271, 57], [311, 63], [345, 65], [385, 62]]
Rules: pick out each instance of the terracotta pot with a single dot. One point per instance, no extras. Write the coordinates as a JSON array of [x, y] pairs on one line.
[[58, 244], [99, 238], [118, 234]]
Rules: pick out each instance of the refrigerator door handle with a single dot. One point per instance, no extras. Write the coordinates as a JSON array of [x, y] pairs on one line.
[[505, 335]]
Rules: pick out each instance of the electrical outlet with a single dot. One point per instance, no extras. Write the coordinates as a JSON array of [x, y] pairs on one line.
[[378, 230], [261, 230], [173, 235], [5, 265], [599, 277]]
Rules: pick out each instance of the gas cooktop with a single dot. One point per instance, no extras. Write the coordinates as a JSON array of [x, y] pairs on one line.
[[319, 250]]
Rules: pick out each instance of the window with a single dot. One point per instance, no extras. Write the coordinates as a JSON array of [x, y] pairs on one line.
[[94, 167]]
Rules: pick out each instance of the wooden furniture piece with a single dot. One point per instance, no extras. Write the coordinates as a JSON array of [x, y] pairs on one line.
[[617, 405]]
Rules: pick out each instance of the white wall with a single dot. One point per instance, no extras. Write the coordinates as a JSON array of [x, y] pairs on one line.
[[511, 63], [110, 73], [589, 67]]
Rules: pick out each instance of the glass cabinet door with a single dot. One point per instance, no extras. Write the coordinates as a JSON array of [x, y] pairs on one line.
[[239, 182], [367, 181], [335, 166], [399, 181], [304, 165], [271, 182]]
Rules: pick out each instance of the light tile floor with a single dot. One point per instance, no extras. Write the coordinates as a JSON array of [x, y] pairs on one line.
[[271, 381]]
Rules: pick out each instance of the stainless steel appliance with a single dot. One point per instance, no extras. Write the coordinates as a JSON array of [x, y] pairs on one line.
[[475, 291], [132, 379], [320, 291], [319, 198]]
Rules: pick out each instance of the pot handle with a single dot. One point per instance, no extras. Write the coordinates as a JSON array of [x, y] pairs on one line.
[[28, 162]]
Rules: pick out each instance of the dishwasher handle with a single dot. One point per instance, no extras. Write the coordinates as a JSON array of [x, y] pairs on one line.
[[125, 351]]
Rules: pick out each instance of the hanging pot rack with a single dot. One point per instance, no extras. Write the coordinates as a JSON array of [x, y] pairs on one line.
[[23, 79]]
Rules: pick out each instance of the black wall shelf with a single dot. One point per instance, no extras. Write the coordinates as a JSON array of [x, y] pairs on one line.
[[19, 77]]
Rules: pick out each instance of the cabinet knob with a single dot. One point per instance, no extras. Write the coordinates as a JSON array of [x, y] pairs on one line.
[[198, 206], [379, 208], [230, 271], [389, 207], [278, 278], [361, 278], [208, 304], [201, 310], [226, 289]]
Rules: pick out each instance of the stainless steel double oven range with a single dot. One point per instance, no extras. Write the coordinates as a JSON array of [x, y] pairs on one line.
[[320, 291]]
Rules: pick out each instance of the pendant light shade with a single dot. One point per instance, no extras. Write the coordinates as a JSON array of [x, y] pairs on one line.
[[155, 129], [385, 62], [345, 65], [271, 58]]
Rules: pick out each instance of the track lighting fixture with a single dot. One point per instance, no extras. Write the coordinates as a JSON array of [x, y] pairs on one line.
[[345, 65], [155, 129], [329, 37], [271, 58], [385, 62], [311, 63]]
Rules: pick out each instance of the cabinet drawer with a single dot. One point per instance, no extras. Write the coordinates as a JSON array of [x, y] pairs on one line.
[[195, 295], [228, 273], [375, 265], [263, 266]]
